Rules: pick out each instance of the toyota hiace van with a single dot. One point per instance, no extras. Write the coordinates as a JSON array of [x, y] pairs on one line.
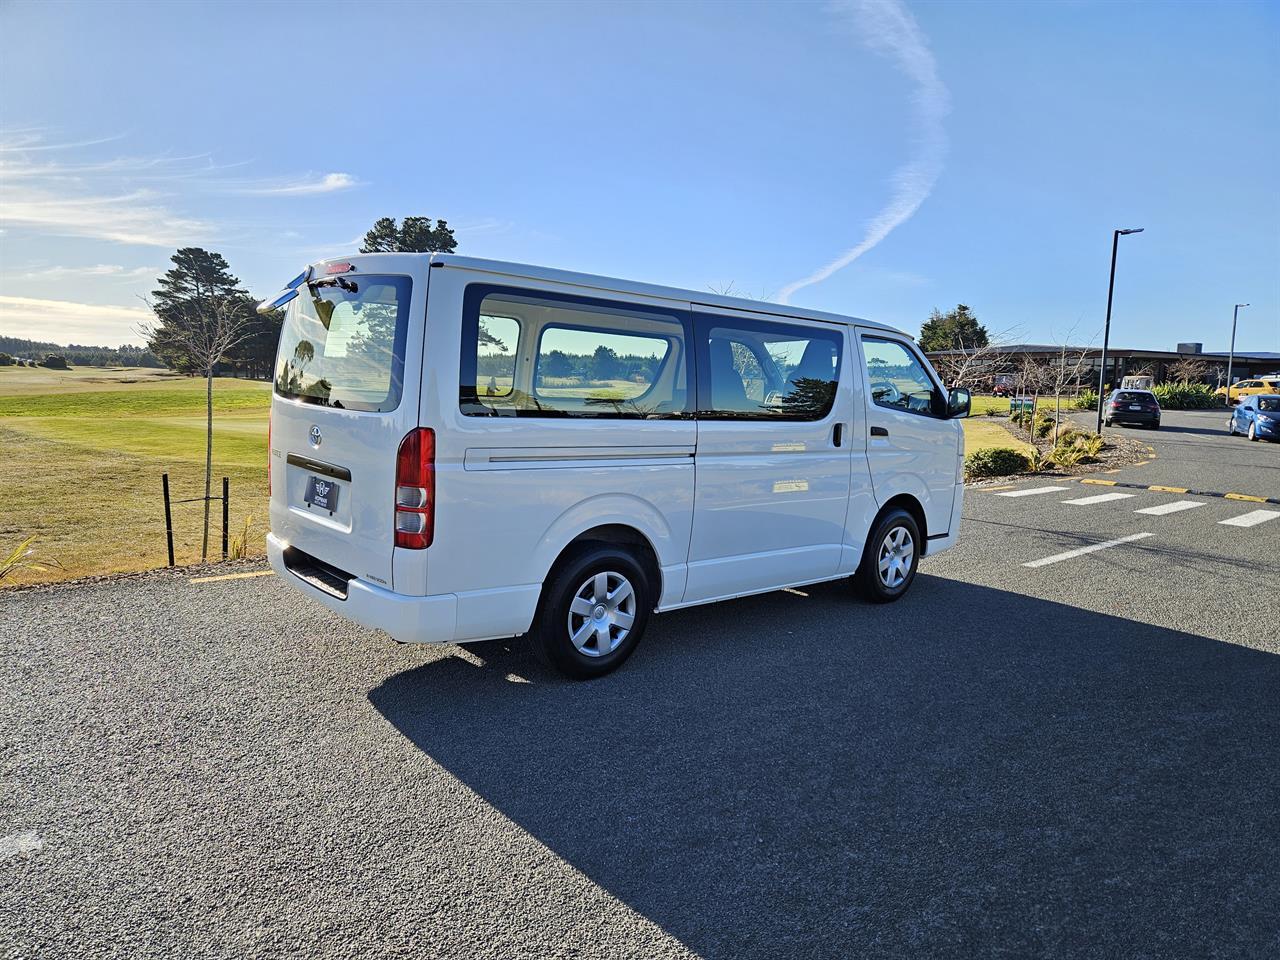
[[463, 449]]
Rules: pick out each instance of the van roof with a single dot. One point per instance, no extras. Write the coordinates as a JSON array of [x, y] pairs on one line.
[[614, 285]]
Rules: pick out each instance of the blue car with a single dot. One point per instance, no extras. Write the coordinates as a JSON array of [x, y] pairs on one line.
[[1257, 417]]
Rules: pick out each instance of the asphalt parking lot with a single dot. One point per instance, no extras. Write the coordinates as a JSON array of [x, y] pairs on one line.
[[1039, 752]]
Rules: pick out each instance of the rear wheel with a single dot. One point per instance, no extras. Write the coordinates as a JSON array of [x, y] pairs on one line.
[[890, 558], [1231, 427], [593, 613]]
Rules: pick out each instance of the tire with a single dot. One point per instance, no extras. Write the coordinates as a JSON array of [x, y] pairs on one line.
[[1106, 423], [1253, 432], [1155, 426], [1231, 427], [892, 536], [562, 634]]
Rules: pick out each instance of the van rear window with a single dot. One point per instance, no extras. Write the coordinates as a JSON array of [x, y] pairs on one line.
[[342, 343]]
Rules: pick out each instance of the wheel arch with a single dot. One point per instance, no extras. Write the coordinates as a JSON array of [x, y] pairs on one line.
[[612, 534], [909, 503]]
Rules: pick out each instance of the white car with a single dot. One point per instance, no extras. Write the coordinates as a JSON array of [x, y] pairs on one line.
[[463, 449]]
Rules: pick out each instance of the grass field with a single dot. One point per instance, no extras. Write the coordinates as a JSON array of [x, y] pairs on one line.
[[82, 453]]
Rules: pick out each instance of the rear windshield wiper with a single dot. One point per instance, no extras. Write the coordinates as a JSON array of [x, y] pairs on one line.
[[342, 283]]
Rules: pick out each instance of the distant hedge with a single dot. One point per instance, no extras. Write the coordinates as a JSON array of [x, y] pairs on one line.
[[1186, 396], [995, 462]]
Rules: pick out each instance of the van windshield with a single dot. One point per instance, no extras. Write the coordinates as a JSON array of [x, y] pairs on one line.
[[342, 343]]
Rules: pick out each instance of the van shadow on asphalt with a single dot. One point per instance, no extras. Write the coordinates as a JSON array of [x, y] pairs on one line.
[[967, 772]]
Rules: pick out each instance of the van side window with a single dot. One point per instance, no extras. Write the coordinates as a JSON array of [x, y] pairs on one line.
[[766, 371], [527, 354], [496, 342], [896, 378]]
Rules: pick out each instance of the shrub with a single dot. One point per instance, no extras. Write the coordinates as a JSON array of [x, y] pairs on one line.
[[1186, 396], [995, 462], [1086, 401], [1044, 426], [1065, 455], [1075, 447], [1091, 443]]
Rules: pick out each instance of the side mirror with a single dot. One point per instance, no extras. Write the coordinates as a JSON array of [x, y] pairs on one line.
[[958, 403]]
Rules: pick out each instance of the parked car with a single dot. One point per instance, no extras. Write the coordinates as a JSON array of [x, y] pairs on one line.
[[1248, 388], [521, 450], [1256, 417], [1132, 406]]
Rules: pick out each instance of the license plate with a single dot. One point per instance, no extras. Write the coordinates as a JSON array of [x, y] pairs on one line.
[[1135, 406], [321, 493]]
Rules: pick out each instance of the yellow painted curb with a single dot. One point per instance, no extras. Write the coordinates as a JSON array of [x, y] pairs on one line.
[[1101, 483], [1245, 496], [1168, 489], [1007, 486], [233, 576]]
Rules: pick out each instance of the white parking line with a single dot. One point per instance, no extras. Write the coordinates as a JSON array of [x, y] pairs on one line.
[[1174, 507], [1081, 551], [1251, 519], [1032, 492], [1100, 498]]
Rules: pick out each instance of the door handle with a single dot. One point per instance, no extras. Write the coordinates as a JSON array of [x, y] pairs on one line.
[[879, 431], [837, 434]]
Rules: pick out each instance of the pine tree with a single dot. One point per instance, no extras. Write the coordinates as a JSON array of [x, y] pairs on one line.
[[956, 329], [414, 235]]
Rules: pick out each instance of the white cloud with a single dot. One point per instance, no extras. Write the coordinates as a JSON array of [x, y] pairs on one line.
[[63, 321], [136, 217], [94, 270], [887, 27], [303, 186]]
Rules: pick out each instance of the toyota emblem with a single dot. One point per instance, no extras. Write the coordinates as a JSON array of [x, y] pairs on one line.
[[315, 435]]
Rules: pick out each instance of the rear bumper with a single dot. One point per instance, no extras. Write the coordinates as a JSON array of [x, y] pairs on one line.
[[1132, 416], [407, 619]]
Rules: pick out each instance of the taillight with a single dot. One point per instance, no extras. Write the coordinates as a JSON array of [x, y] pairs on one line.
[[416, 489]]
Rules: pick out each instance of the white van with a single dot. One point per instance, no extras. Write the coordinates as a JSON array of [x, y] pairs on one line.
[[463, 449]]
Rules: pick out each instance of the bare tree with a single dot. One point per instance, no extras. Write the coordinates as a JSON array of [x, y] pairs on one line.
[[1189, 370], [202, 314], [971, 366]]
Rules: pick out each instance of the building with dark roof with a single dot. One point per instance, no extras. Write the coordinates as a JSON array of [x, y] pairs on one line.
[[1121, 362]]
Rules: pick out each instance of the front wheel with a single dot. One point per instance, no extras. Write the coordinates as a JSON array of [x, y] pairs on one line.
[[1253, 432], [890, 558], [592, 613]]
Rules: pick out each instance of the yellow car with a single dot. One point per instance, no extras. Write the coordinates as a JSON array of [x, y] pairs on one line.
[[1249, 388]]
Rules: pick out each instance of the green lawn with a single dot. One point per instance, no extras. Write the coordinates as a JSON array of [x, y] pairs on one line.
[[983, 432], [84, 451]]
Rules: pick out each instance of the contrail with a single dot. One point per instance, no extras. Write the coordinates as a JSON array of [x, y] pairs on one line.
[[887, 27]]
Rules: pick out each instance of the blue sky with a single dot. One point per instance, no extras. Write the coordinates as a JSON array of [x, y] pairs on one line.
[[979, 152]]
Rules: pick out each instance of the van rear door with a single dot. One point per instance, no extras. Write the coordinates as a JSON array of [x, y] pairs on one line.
[[347, 378]]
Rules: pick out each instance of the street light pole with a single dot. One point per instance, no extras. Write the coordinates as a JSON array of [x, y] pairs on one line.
[[1231, 357], [1106, 331]]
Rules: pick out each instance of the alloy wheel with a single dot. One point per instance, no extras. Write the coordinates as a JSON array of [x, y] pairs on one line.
[[601, 614], [897, 551]]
